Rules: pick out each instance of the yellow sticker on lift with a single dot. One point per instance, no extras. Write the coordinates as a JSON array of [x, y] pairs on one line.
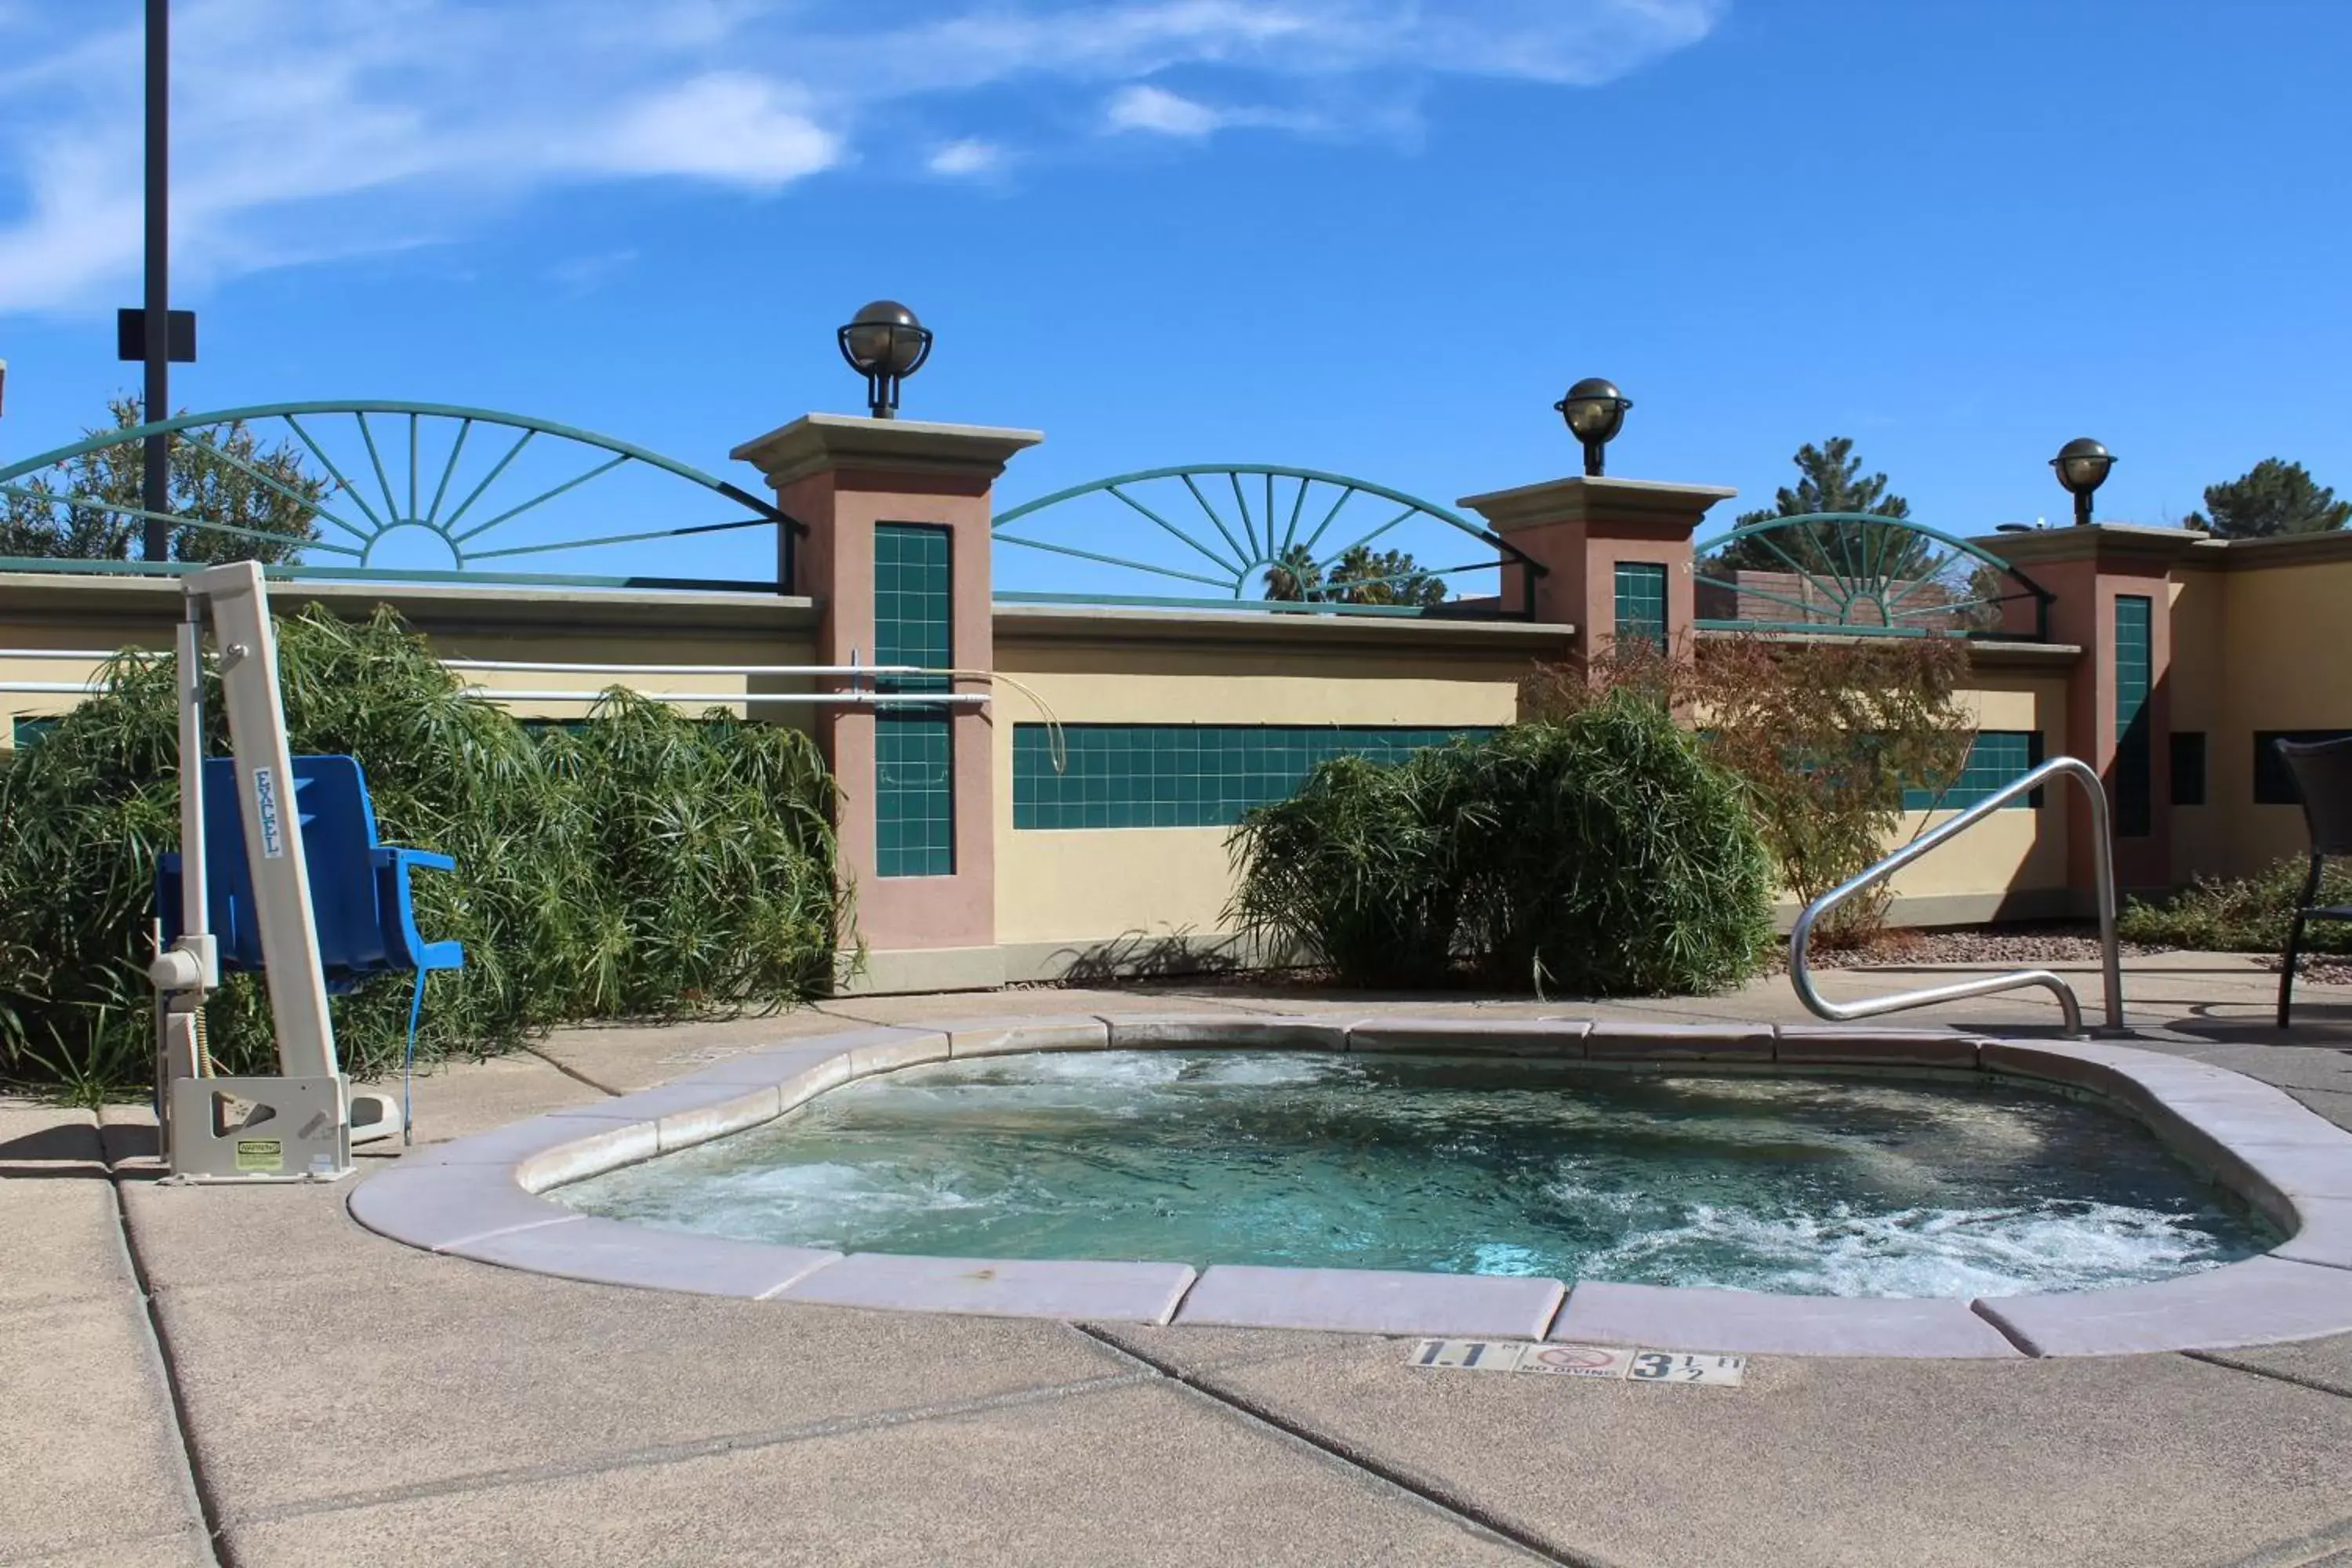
[[260, 1154]]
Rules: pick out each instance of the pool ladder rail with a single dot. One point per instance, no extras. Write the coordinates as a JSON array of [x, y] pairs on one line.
[[2103, 868]]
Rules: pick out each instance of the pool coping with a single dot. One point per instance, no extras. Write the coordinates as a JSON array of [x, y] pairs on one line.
[[481, 1198]]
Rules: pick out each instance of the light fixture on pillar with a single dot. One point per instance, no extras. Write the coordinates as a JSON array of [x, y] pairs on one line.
[[2083, 465], [1595, 412], [885, 344]]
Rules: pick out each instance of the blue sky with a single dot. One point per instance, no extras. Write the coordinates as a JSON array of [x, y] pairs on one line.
[[1368, 236]]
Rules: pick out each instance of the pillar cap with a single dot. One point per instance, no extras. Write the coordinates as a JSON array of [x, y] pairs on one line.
[[2100, 541], [1597, 499], [815, 443]]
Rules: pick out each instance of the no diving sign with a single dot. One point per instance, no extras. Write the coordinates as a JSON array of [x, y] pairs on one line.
[[1579, 1361]]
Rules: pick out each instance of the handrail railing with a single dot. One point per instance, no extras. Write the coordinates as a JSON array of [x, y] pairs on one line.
[[2103, 868]]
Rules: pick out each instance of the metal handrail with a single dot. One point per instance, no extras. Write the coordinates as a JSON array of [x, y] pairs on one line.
[[2111, 957]]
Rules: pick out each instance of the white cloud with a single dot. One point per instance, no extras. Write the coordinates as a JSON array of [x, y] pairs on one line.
[[967, 157], [1147, 107], [726, 127], [311, 127]]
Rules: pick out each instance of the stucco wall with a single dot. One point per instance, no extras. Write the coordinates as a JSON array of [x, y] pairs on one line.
[[1109, 666], [1068, 889], [2285, 637], [644, 630]]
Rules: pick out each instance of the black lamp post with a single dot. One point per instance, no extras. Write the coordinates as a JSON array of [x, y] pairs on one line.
[[2083, 465], [885, 344], [155, 471], [1595, 412]]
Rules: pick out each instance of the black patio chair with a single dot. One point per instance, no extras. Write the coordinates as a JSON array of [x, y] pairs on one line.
[[2322, 770]]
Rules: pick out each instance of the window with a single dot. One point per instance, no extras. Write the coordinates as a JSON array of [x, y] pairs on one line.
[[914, 749], [2133, 723], [2189, 767], [1996, 757], [1183, 775], [2274, 785], [1642, 601]]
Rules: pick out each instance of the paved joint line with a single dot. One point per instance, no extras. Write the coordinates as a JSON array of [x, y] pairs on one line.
[[2322, 1547], [198, 1490], [2223, 1359], [1364, 1467], [677, 1453]]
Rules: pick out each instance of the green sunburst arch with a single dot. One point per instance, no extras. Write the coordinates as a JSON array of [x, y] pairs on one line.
[[1860, 573], [387, 483]]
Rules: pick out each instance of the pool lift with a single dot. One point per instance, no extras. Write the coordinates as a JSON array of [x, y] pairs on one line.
[[244, 876]]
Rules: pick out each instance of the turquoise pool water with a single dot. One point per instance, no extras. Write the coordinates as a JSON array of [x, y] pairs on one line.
[[1843, 1186]]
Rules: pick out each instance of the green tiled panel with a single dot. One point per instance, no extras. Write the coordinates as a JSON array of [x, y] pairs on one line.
[[914, 782], [1996, 757], [1641, 601], [2132, 748], [28, 731], [1183, 775], [913, 617], [915, 800]]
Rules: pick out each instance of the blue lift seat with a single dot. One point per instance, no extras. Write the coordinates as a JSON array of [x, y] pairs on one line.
[[360, 892]]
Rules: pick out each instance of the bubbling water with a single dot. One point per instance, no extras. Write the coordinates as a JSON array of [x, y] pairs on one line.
[[1816, 1185]]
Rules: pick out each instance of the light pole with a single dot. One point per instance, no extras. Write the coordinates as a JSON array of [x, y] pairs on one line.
[[156, 471]]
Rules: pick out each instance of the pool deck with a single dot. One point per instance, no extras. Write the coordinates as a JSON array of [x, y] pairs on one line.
[[247, 1377]]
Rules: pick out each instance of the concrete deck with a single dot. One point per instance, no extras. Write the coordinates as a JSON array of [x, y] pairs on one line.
[[194, 1375]]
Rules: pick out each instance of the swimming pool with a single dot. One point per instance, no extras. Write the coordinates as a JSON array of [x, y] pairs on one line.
[[1509, 1166], [1804, 1161]]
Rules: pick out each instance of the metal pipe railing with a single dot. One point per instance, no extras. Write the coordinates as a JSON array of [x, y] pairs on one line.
[[2070, 1006]]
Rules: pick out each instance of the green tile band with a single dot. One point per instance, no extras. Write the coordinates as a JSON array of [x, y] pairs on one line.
[[2134, 790], [1641, 601], [914, 772], [1184, 775], [1996, 758]]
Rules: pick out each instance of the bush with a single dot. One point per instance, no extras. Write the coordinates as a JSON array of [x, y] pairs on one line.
[[648, 864], [1360, 868], [2247, 915], [1611, 858], [1826, 737], [1600, 854]]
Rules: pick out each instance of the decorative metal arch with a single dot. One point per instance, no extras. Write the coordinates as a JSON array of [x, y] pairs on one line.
[[1860, 573], [461, 504], [1279, 537]]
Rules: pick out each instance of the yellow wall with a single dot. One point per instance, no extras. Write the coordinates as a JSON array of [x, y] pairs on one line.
[[2285, 630], [644, 631], [1090, 885], [1142, 884], [2015, 851]]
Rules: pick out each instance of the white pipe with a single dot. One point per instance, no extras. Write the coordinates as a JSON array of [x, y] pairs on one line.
[[553, 668], [93, 656], [856, 699], [853, 699]]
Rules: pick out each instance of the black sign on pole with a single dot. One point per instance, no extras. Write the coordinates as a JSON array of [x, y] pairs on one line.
[[179, 336]]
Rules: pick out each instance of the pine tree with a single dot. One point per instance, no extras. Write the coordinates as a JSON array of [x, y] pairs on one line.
[[1829, 479], [2271, 498]]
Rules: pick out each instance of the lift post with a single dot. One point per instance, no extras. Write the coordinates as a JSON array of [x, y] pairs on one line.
[[298, 1125]]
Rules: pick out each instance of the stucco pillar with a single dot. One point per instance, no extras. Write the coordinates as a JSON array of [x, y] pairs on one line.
[[2106, 582], [910, 499], [1581, 531]]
